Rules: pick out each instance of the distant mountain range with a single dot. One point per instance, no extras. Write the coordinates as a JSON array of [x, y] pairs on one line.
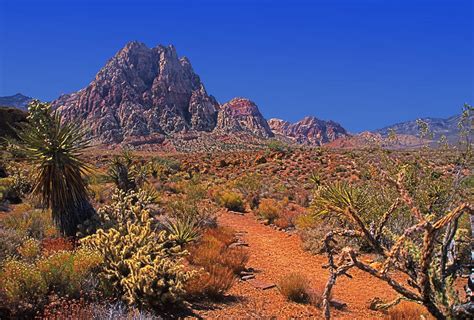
[[438, 126], [18, 101], [152, 96]]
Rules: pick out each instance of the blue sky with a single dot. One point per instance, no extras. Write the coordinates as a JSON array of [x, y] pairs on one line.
[[365, 64]]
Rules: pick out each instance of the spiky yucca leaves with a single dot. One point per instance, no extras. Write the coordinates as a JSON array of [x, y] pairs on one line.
[[55, 148], [419, 251], [120, 171], [184, 230], [141, 266]]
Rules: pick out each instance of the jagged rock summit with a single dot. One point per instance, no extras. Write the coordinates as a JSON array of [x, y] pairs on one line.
[[309, 130], [152, 96], [142, 92], [240, 114]]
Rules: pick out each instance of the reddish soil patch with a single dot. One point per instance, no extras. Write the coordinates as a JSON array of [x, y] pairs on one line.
[[274, 254]]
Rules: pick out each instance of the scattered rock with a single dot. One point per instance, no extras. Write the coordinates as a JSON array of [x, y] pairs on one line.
[[339, 305], [261, 285]]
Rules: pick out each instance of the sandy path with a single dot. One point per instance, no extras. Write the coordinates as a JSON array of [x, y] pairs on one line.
[[273, 254]]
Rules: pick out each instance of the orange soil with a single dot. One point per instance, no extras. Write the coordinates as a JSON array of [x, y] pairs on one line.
[[274, 254]]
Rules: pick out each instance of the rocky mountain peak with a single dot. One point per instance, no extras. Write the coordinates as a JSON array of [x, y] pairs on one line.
[[309, 130], [142, 92], [240, 114]]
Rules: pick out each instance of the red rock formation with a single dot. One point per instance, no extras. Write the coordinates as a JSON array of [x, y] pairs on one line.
[[242, 115], [141, 92], [309, 130]]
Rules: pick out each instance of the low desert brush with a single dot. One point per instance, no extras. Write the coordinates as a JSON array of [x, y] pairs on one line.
[[220, 263], [269, 210], [231, 200]]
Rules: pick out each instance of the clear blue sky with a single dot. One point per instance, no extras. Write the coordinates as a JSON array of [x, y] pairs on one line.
[[363, 63]]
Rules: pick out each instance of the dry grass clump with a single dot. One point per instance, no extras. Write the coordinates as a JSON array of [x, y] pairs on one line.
[[219, 262], [407, 311], [296, 287]]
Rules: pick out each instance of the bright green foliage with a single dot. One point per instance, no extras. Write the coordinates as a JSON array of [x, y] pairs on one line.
[[55, 148], [141, 266]]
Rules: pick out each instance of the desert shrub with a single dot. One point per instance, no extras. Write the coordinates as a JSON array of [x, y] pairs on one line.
[[26, 284], [220, 263], [289, 215], [66, 272], [84, 309], [141, 266], [32, 223], [305, 221], [51, 245], [193, 205], [407, 311], [162, 167], [10, 240], [295, 287], [277, 146], [22, 286], [15, 188], [251, 187], [213, 282], [231, 200], [29, 250], [269, 210], [124, 207], [222, 234]]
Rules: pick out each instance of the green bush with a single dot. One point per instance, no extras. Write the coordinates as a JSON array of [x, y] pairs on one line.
[[232, 201]]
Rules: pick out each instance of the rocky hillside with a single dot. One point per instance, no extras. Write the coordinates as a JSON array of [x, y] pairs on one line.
[[18, 101], [242, 115], [142, 92], [309, 130], [447, 127]]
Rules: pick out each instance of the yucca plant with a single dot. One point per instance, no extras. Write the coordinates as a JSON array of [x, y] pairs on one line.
[[55, 148], [120, 171], [183, 230]]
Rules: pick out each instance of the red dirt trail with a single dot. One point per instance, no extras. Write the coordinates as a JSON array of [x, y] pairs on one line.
[[274, 254]]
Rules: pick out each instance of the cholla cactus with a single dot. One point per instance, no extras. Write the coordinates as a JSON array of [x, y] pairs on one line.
[[126, 206], [140, 265]]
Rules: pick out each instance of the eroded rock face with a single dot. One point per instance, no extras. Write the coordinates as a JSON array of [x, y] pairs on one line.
[[242, 115], [141, 92], [309, 130]]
